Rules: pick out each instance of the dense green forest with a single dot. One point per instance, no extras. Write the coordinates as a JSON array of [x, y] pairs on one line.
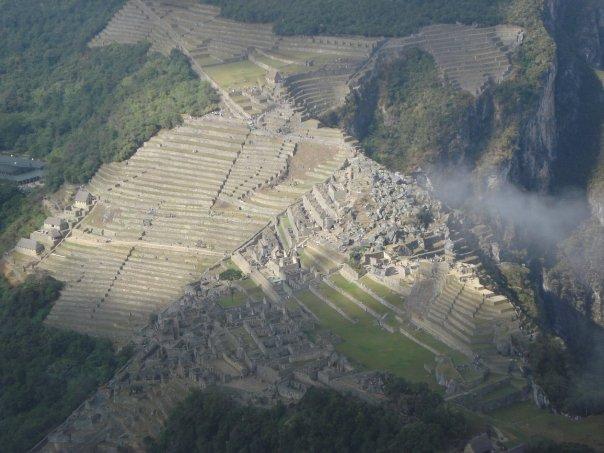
[[418, 119], [413, 419], [360, 17], [571, 376], [104, 121], [19, 214], [45, 373], [77, 107]]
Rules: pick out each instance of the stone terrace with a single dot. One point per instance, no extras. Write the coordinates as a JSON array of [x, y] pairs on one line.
[[466, 317], [466, 56], [186, 198], [130, 25], [112, 289], [319, 91], [263, 159], [158, 195], [320, 68], [210, 40]]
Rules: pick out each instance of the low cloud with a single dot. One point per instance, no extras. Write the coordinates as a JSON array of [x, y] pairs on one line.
[[537, 217]]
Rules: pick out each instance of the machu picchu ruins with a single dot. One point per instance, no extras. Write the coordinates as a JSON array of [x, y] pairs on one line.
[[322, 235]]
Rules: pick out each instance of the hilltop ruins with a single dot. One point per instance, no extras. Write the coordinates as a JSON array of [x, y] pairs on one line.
[[311, 223]]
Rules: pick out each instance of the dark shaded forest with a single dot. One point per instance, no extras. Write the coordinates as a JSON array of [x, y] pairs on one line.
[[20, 214], [360, 17], [413, 418], [45, 373]]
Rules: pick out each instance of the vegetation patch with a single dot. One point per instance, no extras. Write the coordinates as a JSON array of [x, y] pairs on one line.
[[412, 419], [45, 373], [572, 383], [369, 345], [417, 119], [240, 74], [358, 293], [20, 214], [524, 420], [231, 275], [355, 260], [383, 291], [235, 299], [110, 103], [360, 17]]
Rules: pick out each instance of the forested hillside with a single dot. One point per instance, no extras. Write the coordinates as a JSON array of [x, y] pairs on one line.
[[44, 373], [19, 214], [76, 107], [412, 419], [415, 119], [360, 17]]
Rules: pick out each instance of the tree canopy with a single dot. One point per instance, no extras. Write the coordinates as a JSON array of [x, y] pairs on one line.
[[45, 373], [360, 17], [413, 419]]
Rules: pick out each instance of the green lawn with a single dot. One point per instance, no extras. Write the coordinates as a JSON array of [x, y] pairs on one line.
[[355, 291], [442, 348], [236, 300], [251, 288], [270, 61], [237, 75], [383, 291], [292, 304], [342, 302], [208, 61], [230, 265], [525, 421], [285, 221], [397, 300], [306, 261], [245, 337], [282, 234], [369, 345]]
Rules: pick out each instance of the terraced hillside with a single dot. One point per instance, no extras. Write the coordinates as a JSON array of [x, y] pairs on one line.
[[466, 56], [185, 199], [466, 317], [331, 261], [195, 193], [316, 71]]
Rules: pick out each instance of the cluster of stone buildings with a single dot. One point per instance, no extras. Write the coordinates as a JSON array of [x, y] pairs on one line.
[[56, 228], [258, 349]]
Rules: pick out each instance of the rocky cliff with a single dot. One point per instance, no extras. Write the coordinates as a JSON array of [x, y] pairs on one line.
[[523, 144], [560, 131], [578, 275]]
